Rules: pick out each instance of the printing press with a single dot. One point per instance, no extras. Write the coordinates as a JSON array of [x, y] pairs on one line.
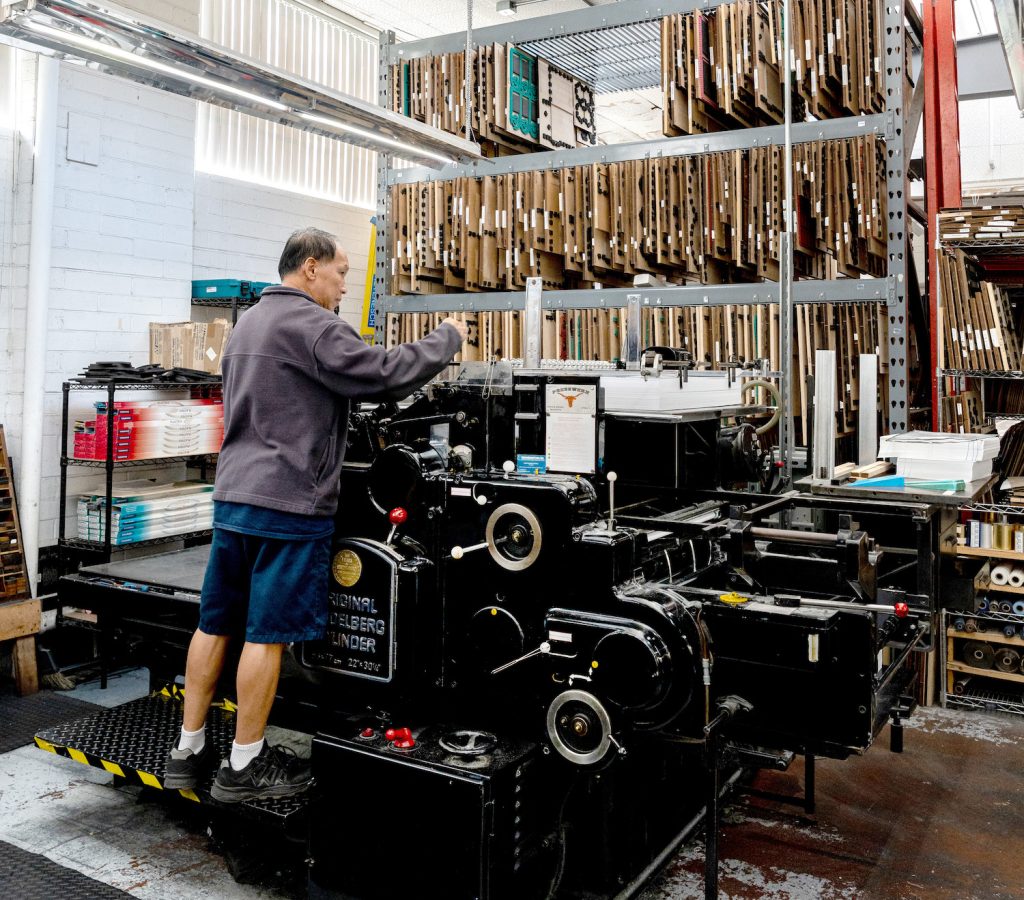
[[567, 614]]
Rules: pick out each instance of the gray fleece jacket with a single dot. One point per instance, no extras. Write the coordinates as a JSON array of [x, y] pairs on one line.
[[290, 369]]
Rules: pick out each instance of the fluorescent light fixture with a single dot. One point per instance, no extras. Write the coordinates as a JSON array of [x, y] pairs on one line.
[[398, 147], [116, 53], [119, 42]]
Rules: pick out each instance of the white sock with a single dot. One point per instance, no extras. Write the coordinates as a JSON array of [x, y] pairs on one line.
[[243, 754], [193, 740]]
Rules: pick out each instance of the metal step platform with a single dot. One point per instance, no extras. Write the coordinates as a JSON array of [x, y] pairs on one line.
[[131, 741]]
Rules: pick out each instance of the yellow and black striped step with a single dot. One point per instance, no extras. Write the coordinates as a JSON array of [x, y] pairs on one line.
[[132, 741]]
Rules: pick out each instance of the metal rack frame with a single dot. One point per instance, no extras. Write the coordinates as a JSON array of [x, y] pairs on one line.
[[990, 698], [111, 388], [978, 251], [563, 27]]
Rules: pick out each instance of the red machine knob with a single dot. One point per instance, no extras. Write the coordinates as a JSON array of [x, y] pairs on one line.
[[398, 516], [901, 610]]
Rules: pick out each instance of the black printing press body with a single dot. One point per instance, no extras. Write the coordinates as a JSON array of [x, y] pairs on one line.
[[564, 613]]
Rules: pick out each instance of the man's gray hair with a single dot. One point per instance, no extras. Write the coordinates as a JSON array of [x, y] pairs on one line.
[[303, 244]]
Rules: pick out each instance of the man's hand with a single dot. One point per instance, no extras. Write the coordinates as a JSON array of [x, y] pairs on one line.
[[459, 326]]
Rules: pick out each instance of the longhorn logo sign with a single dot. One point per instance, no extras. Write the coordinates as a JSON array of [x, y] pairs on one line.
[[570, 397]]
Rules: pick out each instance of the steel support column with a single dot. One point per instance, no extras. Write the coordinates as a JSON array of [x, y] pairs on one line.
[[941, 148], [383, 253], [898, 411]]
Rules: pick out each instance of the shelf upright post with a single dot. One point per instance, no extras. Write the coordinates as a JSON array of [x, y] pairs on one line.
[[943, 656], [786, 432], [62, 517], [382, 256], [534, 323], [634, 327], [898, 413], [109, 500]]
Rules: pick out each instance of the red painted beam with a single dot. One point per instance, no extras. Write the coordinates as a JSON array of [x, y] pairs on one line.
[[941, 148]]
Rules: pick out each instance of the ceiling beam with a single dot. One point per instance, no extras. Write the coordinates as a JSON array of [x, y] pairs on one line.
[[981, 69]]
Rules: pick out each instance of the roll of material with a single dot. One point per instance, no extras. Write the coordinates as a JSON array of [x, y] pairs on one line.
[[986, 534], [1007, 659], [1016, 578], [1018, 608], [960, 685], [978, 654], [970, 625], [1001, 574], [1005, 606], [1009, 630], [1003, 537], [982, 604], [959, 623]]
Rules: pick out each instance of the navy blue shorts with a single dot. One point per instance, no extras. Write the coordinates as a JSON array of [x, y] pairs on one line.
[[272, 588]]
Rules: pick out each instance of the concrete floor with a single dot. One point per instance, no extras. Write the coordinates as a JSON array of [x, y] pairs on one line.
[[944, 820]]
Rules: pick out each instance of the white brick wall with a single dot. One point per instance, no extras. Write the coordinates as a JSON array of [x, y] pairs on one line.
[[122, 240], [240, 230]]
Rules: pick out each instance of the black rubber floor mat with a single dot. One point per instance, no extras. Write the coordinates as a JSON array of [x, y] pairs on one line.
[[22, 717], [29, 876]]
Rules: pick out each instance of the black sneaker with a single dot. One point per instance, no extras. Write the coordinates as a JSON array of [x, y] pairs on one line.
[[183, 767], [275, 772]]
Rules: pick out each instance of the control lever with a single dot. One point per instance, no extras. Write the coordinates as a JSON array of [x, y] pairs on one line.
[[900, 609], [396, 517], [612, 478], [458, 552], [545, 647]]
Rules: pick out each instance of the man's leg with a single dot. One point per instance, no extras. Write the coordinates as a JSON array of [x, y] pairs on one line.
[[205, 662], [191, 751], [258, 671]]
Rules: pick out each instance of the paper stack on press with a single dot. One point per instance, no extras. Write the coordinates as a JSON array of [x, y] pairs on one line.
[[935, 455]]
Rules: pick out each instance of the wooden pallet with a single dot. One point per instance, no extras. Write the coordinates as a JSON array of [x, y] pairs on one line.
[[13, 574], [19, 613]]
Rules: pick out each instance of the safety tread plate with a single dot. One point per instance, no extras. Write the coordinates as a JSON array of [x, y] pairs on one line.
[[132, 741], [29, 876]]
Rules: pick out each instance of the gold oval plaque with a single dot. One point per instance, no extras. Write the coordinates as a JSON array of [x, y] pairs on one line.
[[347, 568]]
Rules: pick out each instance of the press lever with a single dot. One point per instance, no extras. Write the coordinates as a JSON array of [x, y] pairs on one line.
[[545, 647]]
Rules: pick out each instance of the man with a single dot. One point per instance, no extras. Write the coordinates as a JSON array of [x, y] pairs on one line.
[[290, 369]]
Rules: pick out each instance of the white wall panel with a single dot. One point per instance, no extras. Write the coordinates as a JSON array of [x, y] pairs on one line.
[[321, 50]]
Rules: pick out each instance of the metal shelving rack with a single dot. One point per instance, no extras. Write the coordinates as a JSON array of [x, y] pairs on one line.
[[235, 304], [979, 250], [101, 550], [997, 694], [574, 41]]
